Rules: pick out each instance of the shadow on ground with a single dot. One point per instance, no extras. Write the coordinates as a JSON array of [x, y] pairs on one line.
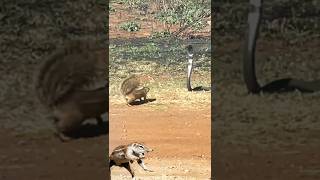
[[135, 103], [91, 130]]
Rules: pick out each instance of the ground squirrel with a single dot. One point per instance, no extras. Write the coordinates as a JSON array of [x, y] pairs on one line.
[[73, 83], [124, 155], [132, 90]]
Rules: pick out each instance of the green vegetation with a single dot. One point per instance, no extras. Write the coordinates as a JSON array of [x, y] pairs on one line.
[[186, 14], [130, 26], [131, 3], [281, 19], [161, 34], [111, 9]]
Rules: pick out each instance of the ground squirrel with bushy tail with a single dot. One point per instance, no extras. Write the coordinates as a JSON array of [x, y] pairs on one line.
[[132, 89], [124, 155], [72, 82]]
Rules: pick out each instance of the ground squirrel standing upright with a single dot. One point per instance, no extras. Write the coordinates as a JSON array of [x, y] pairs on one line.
[[72, 82], [124, 155], [131, 89]]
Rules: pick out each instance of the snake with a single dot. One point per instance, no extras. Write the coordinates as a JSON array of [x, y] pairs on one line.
[[279, 85]]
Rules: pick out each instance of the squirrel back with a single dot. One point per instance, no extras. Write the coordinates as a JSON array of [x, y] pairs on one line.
[[80, 65], [129, 85]]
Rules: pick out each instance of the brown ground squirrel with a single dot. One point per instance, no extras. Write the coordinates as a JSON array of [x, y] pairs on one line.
[[124, 155], [132, 90], [73, 83]]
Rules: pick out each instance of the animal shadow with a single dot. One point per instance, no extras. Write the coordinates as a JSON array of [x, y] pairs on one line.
[[135, 103], [91, 130], [288, 85], [201, 88]]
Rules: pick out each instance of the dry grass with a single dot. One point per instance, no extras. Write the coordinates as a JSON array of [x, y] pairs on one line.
[[167, 85]]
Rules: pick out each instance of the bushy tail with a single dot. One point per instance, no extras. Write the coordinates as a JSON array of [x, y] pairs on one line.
[[129, 84], [72, 67]]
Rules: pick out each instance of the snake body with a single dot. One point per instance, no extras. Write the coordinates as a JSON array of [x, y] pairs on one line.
[[280, 85]]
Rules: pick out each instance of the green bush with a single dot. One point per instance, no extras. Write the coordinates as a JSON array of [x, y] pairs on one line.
[[161, 34], [185, 13]]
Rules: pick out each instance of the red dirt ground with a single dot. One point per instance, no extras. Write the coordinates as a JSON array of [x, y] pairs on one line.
[[249, 162], [43, 157], [180, 139]]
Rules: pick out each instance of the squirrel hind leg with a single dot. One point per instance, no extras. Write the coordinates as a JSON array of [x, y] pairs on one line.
[[129, 104], [127, 166], [66, 126], [62, 137], [58, 133], [129, 100]]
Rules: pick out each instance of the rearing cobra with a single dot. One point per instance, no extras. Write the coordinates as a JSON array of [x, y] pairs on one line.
[[189, 72], [280, 85]]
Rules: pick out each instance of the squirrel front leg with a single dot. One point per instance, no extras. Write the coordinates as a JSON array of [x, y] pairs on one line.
[[144, 167]]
